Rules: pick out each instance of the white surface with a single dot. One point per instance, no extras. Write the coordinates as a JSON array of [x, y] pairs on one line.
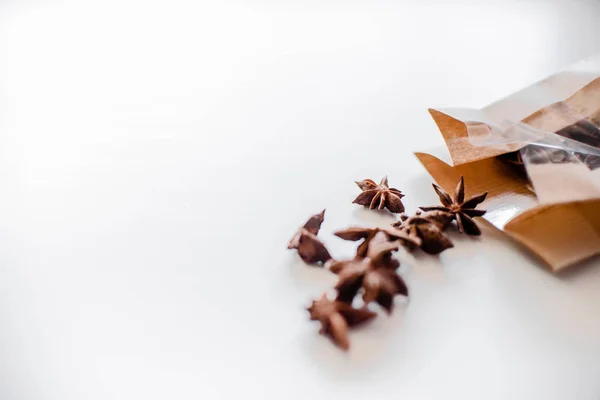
[[156, 157]]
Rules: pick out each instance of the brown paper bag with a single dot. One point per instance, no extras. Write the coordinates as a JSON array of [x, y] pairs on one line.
[[549, 200]]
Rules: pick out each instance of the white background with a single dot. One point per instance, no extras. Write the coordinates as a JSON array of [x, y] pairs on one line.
[[156, 157]]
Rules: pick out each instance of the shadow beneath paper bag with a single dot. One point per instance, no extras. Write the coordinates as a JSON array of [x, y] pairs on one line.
[[587, 269]]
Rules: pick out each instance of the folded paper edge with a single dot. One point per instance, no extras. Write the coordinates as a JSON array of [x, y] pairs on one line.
[[456, 138], [568, 223]]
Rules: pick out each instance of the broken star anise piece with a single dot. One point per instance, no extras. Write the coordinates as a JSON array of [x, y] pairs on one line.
[[462, 211], [371, 274], [336, 318], [379, 196], [309, 247], [428, 227], [441, 219], [374, 235]]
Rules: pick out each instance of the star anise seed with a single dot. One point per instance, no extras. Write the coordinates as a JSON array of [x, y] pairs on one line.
[[337, 317], [310, 248], [379, 196], [378, 282], [462, 211]]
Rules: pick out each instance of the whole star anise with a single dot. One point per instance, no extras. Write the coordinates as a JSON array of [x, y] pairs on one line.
[[336, 318], [309, 247], [372, 274], [374, 235], [428, 227], [379, 196], [462, 211]]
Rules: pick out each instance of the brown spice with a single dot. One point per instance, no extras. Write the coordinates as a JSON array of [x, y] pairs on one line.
[[462, 211], [309, 247], [369, 234], [379, 196], [373, 274], [428, 227], [336, 318]]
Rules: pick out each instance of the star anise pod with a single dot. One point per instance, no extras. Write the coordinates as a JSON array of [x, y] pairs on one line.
[[441, 219], [374, 235], [309, 247], [462, 211], [336, 318], [428, 227], [379, 196], [379, 282]]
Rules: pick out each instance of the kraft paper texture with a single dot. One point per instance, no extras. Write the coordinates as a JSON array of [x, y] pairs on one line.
[[550, 203]]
